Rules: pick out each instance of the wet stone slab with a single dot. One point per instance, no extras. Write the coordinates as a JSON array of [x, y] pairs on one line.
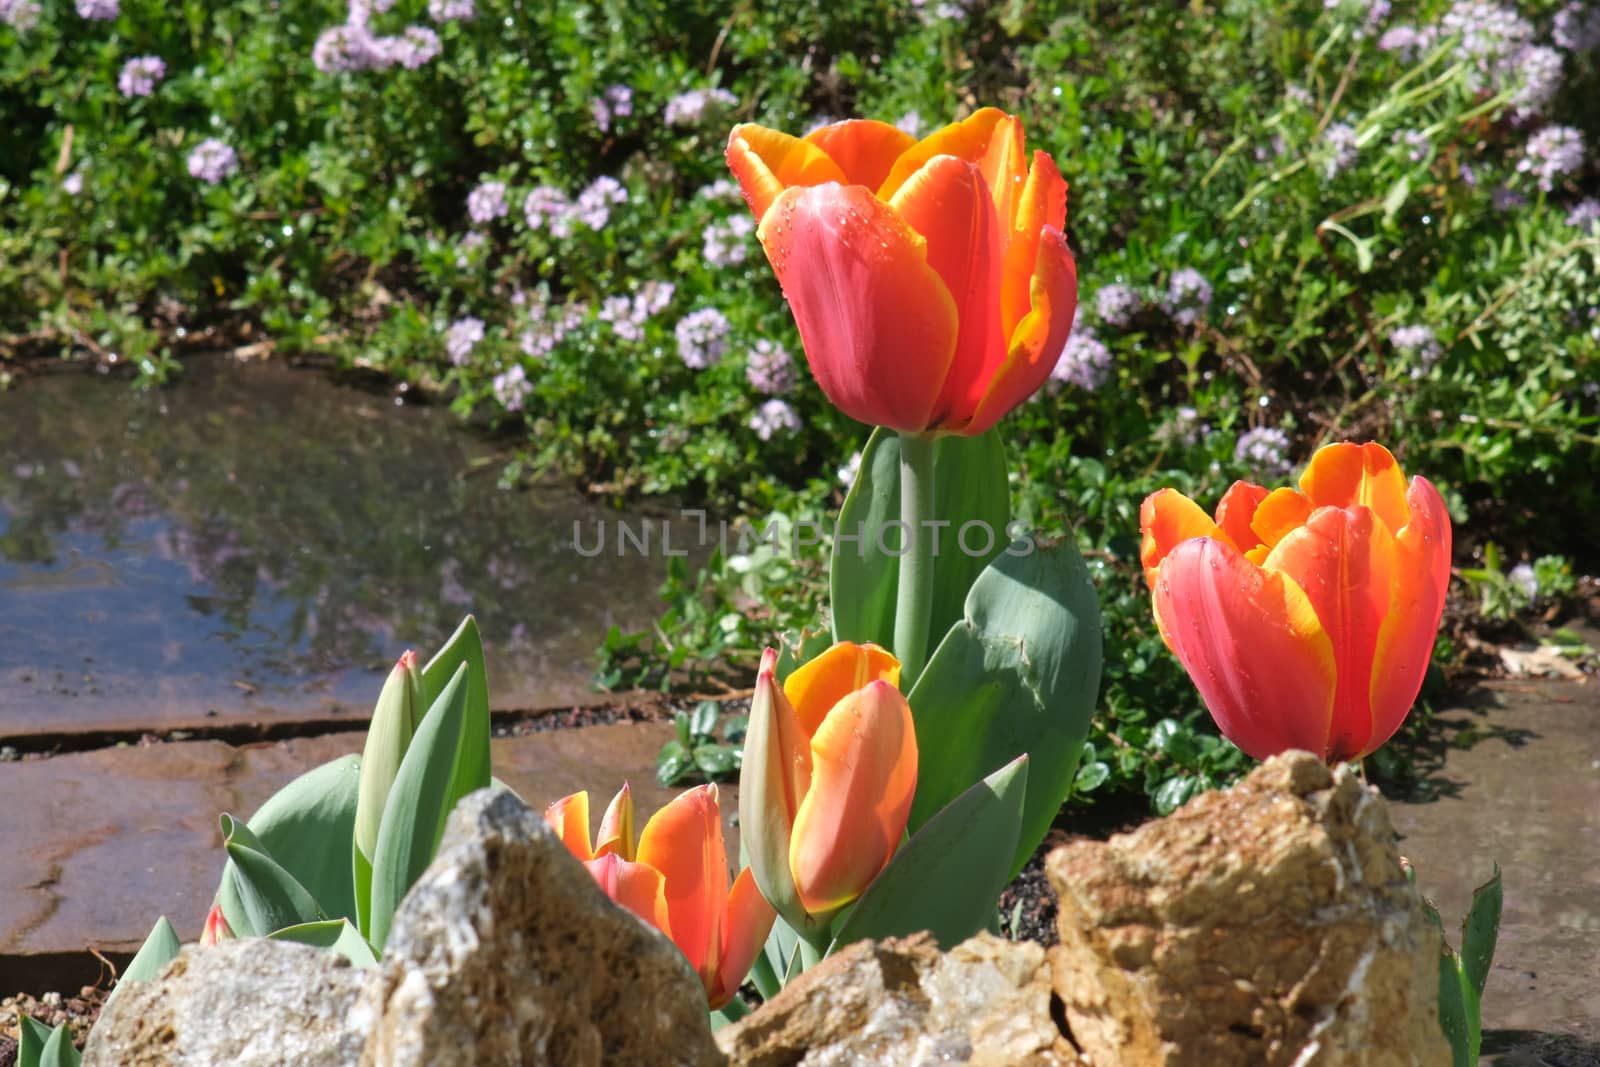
[[96, 845], [1520, 785], [256, 544]]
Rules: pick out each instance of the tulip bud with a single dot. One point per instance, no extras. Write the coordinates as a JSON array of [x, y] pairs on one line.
[[216, 928], [830, 768], [394, 720]]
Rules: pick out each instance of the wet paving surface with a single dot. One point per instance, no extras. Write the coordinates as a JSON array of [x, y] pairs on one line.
[[257, 544], [1516, 782]]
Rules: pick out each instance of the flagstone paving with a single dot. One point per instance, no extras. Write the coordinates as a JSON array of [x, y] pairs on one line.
[[97, 844], [1519, 785]]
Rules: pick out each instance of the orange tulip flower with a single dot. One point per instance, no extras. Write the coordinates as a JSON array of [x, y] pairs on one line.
[[676, 879], [1306, 618], [830, 767], [930, 279]]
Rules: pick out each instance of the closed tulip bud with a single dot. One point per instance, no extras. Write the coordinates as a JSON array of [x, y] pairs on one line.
[[216, 928], [676, 879], [1305, 617], [830, 768], [394, 722], [930, 280]]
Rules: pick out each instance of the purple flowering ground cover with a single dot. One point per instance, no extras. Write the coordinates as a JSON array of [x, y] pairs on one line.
[[1326, 219]]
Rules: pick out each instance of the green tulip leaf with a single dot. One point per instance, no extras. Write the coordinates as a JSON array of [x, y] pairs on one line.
[[971, 499], [338, 935], [40, 1046], [1480, 931], [419, 802], [464, 647], [965, 850], [306, 827], [270, 897], [1458, 1010], [1019, 674]]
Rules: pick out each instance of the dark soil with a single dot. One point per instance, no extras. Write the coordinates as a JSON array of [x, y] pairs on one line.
[[52, 1009]]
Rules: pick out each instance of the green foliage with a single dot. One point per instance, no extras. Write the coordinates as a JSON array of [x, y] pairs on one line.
[[40, 1046], [707, 746], [1506, 593], [1463, 974]]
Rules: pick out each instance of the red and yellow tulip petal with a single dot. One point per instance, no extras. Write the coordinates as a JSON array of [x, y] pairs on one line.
[[569, 818], [1279, 514], [864, 772], [1347, 474], [616, 826], [1234, 511], [1035, 345], [1344, 559], [988, 137], [1042, 204], [878, 325], [635, 886], [745, 927], [948, 203], [816, 687], [863, 149], [1253, 645], [683, 840], [1167, 518], [1405, 641], [766, 162]]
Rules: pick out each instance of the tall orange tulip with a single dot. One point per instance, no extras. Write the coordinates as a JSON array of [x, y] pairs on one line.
[[1305, 618], [930, 279], [830, 767], [675, 879]]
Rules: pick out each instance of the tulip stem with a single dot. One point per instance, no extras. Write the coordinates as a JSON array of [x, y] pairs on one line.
[[915, 600]]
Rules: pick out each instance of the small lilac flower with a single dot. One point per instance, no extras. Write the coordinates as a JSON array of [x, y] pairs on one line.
[[1416, 144], [726, 244], [1524, 580], [462, 337], [468, 245], [847, 473], [1584, 214], [1116, 304], [1552, 153], [1537, 78], [20, 15], [769, 368], [1504, 198], [1297, 94], [910, 122], [943, 11], [1405, 40], [689, 108], [346, 48], [618, 311], [1264, 451], [652, 298], [487, 202], [593, 207], [511, 387], [1084, 361], [416, 47], [1188, 296], [1340, 139], [449, 10], [774, 417], [615, 103], [547, 205], [361, 11], [97, 9], [1490, 37], [1419, 343], [72, 184], [723, 189], [211, 161], [702, 338], [1577, 27], [139, 76], [1186, 427]]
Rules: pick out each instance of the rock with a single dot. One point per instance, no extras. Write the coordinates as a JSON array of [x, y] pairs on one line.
[[1267, 924], [899, 1001], [506, 952], [246, 1003]]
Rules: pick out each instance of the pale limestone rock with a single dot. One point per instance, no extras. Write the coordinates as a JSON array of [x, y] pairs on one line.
[[899, 1001], [1268, 924], [246, 1003]]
